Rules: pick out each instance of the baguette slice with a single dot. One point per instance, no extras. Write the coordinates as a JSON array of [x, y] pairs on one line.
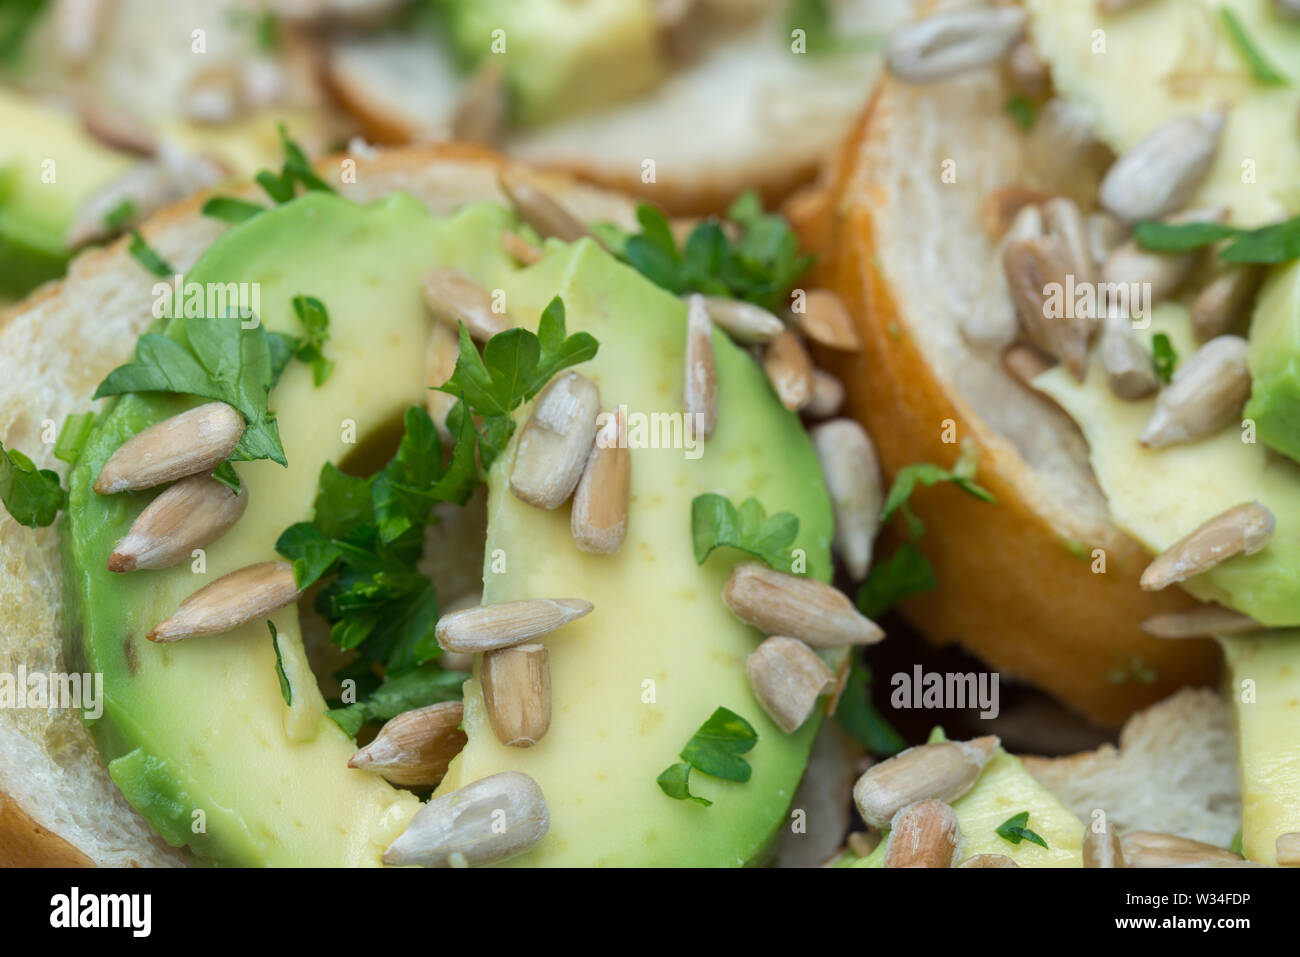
[[58, 805], [908, 253]]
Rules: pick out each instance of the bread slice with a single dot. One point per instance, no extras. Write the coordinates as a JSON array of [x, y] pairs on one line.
[[745, 113], [1175, 771], [57, 802], [898, 227]]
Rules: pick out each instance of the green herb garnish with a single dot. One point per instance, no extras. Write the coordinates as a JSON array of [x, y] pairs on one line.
[[296, 171], [859, 717], [148, 257], [928, 474], [1022, 111], [32, 496], [120, 215], [225, 474], [905, 573], [285, 691], [1261, 69], [1163, 357], [221, 361], [716, 523], [414, 688], [715, 750], [231, 210], [315, 320], [1013, 829], [1274, 243]]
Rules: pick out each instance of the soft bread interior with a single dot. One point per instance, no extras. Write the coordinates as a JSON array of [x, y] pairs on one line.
[[55, 348]]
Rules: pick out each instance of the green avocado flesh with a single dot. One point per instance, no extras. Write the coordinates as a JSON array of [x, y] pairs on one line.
[[1275, 362], [200, 725]]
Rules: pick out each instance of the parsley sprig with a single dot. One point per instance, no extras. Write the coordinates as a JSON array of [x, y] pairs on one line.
[[1014, 830], [761, 265], [281, 187], [714, 750], [1264, 72], [1274, 243], [717, 523], [32, 496], [1163, 357]]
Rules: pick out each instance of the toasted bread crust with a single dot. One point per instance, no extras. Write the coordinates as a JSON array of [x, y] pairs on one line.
[[1010, 588], [24, 843]]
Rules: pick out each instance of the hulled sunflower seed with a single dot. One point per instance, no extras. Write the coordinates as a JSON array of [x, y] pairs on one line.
[[117, 129], [489, 627], [863, 843], [1064, 221], [1159, 174], [452, 297], [1102, 848], [1105, 232], [547, 215], [944, 770], [1027, 72], [924, 834], [556, 441], [989, 323], [826, 320], [480, 114], [1241, 530], [789, 369], [1033, 265], [1204, 621], [1225, 300], [517, 693], [827, 396], [491, 820], [743, 321], [439, 363], [1288, 849], [194, 512], [852, 472], [1013, 212], [701, 384], [787, 678], [232, 600], [1129, 369], [214, 96], [520, 249], [1025, 363], [195, 441], [1153, 849], [1131, 265], [947, 44], [1207, 392], [779, 604], [598, 520], [988, 860], [414, 748]]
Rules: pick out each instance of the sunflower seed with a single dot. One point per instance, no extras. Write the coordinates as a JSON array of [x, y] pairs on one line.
[[701, 388], [213, 96], [117, 129], [1203, 621], [493, 819], [439, 363], [863, 843], [414, 748], [232, 600], [924, 834], [453, 297], [77, 27], [1102, 848], [1153, 849], [540, 210], [1241, 530], [489, 627], [185, 444], [1105, 232], [1066, 223], [826, 320], [598, 520], [1288, 849], [194, 512], [988, 860], [556, 441], [852, 472], [947, 44], [779, 604], [480, 113], [1025, 363], [1225, 300], [517, 693], [989, 323], [1129, 369], [1033, 265], [1006, 208], [1206, 393], [1160, 173], [789, 369], [944, 770], [827, 396], [1131, 265], [743, 321], [1027, 71], [787, 678], [520, 249]]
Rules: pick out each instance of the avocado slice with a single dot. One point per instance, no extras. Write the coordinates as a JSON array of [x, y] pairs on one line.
[[1263, 684], [201, 724], [1275, 361], [1003, 790], [560, 58]]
